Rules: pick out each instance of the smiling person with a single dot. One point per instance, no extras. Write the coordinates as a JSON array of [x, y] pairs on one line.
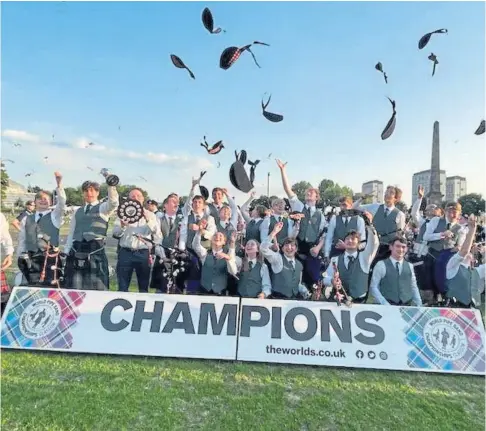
[[87, 264], [393, 281], [286, 269], [37, 230], [133, 253]]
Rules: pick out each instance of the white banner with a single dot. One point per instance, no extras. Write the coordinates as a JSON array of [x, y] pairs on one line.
[[363, 336], [121, 323]]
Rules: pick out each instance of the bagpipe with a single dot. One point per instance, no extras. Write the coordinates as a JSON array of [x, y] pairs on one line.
[[335, 292], [44, 267]]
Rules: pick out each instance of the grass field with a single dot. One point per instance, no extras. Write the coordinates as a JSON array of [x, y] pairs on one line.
[[47, 391]]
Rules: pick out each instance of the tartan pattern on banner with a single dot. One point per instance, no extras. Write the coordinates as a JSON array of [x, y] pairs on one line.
[[423, 357], [59, 337]]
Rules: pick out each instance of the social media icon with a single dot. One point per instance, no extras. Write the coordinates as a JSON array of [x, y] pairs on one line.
[[371, 354], [359, 354], [383, 356]]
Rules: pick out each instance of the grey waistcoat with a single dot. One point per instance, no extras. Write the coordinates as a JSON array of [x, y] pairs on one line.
[[385, 226], [44, 227], [215, 212], [284, 233], [465, 286], [253, 230], [309, 226], [354, 279], [444, 244], [250, 282], [90, 223], [396, 287], [423, 228], [286, 282], [214, 274], [191, 219], [341, 229], [169, 237]]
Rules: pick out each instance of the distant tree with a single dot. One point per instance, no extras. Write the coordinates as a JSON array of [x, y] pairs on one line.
[[472, 203], [4, 181], [330, 191], [19, 203], [300, 188], [262, 200], [346, 191], [33, 189], [324, 185]]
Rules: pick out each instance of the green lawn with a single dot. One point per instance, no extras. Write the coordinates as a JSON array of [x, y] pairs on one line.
[[74, 392], [46, 391]]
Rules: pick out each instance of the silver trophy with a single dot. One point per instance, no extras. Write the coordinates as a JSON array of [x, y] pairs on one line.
[[111, 179]]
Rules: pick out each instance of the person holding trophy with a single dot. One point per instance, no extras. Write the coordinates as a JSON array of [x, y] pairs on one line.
[[87, 264]]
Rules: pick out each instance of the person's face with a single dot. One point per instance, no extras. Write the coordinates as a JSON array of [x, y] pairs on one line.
[[152, 207], [453, 213], [30, 207], [289, 249], [251, 248], [311, 196], [351, 242], [42, 203], [345, 205], [278, 206], [398, 250], [91, 195], [431, 211], [218, 240], [171, 205], [218, 196], [225, 214], [390, 198], [136, 195], [197, 205]]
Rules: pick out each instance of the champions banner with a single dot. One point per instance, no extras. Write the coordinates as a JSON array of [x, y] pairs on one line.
[[293, 332]]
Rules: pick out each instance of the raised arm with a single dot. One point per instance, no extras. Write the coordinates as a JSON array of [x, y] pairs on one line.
[[198, 248], [372, 244], [109, 207], [285, 180], [186, 209], [183, 233], [57, 216], [329, 236]]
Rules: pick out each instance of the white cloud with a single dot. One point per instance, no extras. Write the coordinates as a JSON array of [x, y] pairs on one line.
[[21, 136]]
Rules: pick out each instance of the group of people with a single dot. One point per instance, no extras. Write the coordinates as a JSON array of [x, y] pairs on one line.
[[220, 248]]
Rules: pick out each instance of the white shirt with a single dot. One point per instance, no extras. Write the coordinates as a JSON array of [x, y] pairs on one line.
[[202, 254], [57, 218], [365, 257], [373, 208], [299, 206], [6, 242], [293, 228], [264, 273], [208, 234], [429, 234], [149, 229], [107, 209], [455, 263], [379, 272], [332, 226]]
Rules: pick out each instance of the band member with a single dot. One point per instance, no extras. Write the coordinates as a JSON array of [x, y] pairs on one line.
[[29, 209], [425, 271], [227, 220], [278, 215], [253, 219], [7, 251], [133, 252], [87, 264], [465, 283], [354, 265], [215, 207], [444, 236], [286, 274], [310, 238], [216, 265], [200, 221], [339, 226], [388, 220], [38, 241], [170, 223], [393, 281]]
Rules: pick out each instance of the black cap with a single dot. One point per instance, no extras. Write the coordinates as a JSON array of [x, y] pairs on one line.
[[152, 202], [424, 40], [480, 129], [274, 118], [238, 175], [390, 127], [204, 192], [231, 54], [177, 62], [208, 22]]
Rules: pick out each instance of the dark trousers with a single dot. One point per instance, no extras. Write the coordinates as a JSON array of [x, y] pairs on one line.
[[193, 280], [440, 270], [129, 261]]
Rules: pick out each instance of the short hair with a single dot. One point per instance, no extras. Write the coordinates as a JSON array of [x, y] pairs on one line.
[[454, 205], [93, 184], [316, 191], [39, 194], [353, 233], [217, 189], [398, 238], [199, 197], [289, 240], [346, 199]]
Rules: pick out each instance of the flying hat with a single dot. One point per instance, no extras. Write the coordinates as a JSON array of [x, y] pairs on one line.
[[238, 175], [231, 54]]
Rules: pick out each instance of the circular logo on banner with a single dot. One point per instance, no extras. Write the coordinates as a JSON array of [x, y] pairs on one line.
[[445, 338], [40, 318]]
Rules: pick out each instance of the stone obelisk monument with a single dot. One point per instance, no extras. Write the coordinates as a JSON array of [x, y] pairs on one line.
[[435, 196]]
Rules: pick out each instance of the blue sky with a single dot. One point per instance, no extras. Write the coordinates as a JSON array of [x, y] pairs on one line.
[[79, 71]]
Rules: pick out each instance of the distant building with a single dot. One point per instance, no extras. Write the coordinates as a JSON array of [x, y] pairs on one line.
[[456, 187], [374, 188], [423, 179], [16, 193]]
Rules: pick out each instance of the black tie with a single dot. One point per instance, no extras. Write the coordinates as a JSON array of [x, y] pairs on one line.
[[350, 260], [387, 211], [250, 265], [292, 265], [88, 208], [345, 221], [448, 226], [397, 266], [197, 219], [40, 216], [170, 224]]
